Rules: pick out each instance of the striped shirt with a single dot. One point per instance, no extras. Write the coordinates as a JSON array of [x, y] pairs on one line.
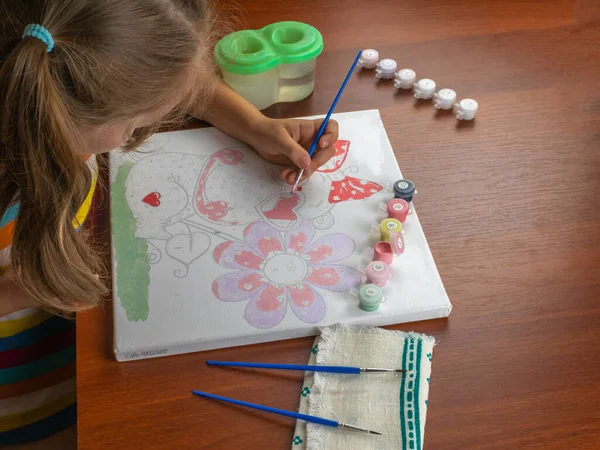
[[37, 358], [37, 376]]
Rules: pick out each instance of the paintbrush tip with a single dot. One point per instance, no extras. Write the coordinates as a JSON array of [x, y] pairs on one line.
[[375, 432]]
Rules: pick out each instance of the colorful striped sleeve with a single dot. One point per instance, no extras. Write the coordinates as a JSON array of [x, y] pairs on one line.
[[37, 356], [37, 376]]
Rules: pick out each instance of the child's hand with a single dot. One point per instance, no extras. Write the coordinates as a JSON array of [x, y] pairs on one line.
[[286, 142]]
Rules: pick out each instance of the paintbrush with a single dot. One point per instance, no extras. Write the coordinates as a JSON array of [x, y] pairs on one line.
[[305, 368], [282, 412], [313, 146]]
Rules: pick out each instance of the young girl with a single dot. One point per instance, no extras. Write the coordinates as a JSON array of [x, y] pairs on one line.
[[78, 78]]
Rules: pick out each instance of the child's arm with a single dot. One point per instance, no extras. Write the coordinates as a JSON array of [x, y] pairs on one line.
[[282, 141]]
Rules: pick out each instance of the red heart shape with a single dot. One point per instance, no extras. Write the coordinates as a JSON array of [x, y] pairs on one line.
[[152, 199]]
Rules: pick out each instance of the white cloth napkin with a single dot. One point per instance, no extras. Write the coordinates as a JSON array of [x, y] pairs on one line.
[[392, 404]]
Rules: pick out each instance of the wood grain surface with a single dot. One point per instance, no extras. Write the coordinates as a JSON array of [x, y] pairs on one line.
[[510, 206]]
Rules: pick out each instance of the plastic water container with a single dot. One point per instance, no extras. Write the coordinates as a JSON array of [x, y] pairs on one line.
[[271, 65]]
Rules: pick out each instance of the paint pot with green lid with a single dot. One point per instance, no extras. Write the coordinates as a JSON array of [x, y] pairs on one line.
[[271, 65], [370, 297]]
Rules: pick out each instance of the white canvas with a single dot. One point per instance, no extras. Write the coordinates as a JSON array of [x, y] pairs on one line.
[[209, 251]]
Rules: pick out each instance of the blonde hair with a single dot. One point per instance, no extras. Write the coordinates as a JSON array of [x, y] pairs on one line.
[[112, 60]]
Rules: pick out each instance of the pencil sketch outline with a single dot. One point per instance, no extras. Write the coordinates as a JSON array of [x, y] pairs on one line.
[[185, 196]]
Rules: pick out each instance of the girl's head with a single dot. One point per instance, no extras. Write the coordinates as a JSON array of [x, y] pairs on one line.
[[118, 69]]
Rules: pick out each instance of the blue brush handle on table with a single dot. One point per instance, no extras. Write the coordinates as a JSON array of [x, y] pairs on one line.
[[305, 368], [281, 412]]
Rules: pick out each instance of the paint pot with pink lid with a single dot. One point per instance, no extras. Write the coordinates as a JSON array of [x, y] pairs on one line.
[[398, 209], [397, 243], [384, 252], [378, 273]]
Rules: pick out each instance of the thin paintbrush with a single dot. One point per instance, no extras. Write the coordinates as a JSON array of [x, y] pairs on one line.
[[313, 147], [330, 369], [282, 412]]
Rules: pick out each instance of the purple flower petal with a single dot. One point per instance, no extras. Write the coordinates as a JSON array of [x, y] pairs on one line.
[[307, 303], [236, 286], [262, 238], [335, 277], [267, 308], [235, 255], [330, 248], [301, 237]]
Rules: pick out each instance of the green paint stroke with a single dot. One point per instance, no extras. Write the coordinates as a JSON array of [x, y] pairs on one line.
[[131, 253]]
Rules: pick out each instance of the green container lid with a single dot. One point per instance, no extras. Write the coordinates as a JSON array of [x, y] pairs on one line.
[[369, 297], [256, 51]]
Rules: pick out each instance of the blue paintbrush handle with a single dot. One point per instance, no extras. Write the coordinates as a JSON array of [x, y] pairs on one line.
[[329, 369], [281, 412], [313, 146]]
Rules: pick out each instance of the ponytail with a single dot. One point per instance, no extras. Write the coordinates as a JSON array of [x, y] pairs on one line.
[[43, 172], [86, 65]]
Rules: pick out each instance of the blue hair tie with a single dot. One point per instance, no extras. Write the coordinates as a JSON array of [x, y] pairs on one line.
[[39, 32]]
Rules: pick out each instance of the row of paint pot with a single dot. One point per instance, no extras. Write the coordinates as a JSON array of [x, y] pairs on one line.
[[424, 89], [378, 272]]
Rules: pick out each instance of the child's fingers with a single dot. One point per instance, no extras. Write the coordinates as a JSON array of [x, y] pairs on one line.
[[296, 154], [285, 173], [289, 175], [321, 156], [330, 135]]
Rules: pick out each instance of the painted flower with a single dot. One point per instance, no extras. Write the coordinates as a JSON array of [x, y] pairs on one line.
[[274, 268], [305, 392], [297, 440]]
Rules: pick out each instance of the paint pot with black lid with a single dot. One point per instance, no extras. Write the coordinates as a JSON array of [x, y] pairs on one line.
[[404, 189]]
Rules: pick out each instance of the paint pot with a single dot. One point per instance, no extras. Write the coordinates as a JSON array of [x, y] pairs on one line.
[[378, 273], [370, 297], [398, 209], [405, 78], [368, 59], [386, 69], [444, 99], [424, 89], [388, 226], [404, 189], [397, 243], [466, 109], [384, 252]]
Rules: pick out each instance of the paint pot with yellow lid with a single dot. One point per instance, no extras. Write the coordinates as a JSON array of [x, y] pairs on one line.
[[389, 226]]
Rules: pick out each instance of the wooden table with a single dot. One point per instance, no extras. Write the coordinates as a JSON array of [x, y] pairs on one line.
[[510, 205]]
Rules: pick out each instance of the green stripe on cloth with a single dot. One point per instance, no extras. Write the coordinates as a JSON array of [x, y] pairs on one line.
[[402, 387], [417, 382], [410, 421], [37, 368]]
